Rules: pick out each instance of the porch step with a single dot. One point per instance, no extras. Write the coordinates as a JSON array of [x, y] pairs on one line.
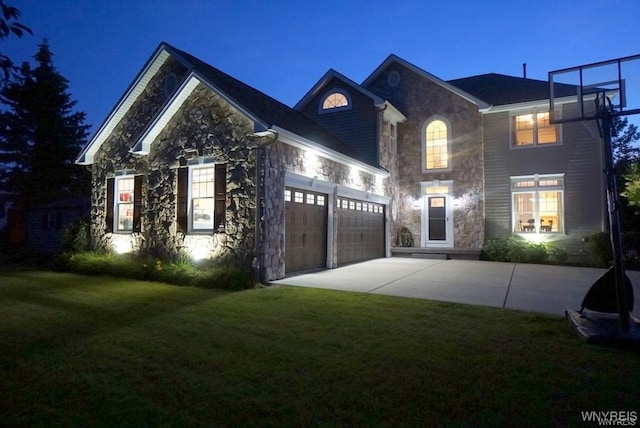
[[437, 253], [430, 256]]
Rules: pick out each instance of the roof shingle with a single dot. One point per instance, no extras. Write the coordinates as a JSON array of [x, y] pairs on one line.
[[499, 89], [265, 108]]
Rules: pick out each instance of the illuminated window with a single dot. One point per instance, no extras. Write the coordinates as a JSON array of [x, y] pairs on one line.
[[436, 146], [207, 197], [534, 129], [537, 204], [202, 198], [124, 204], [287, 195], [335, 100]]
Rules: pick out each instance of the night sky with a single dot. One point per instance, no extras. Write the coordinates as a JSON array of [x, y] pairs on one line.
[[283, 47]]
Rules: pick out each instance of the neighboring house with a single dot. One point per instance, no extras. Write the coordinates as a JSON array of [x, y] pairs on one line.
[[7, 199], [46, 223], [194, 162]]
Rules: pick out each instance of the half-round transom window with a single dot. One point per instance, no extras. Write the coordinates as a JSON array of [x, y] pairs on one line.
[[335, 100]]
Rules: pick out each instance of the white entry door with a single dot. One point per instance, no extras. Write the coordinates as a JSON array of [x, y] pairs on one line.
[[437, 217]]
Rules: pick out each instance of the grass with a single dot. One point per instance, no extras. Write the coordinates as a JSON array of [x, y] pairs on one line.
[[99, 351], [205, 274]]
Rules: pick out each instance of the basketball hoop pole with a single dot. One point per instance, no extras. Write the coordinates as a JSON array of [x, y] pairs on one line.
[[614, 217], [579, 88]]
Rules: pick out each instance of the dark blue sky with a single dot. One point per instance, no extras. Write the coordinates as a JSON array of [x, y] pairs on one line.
[[283, 47]]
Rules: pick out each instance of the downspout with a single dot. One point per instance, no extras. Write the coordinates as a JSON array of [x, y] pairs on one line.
[[387, 226], [261, 139]]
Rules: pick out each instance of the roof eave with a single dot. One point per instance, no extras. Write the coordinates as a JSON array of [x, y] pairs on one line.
[[134, 90], [396, 114], [528, 104], [293, 139], [143, 145]]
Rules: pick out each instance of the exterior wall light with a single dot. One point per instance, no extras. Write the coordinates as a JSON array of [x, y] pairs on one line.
[[122, 244], [417, 203], [198, 253], [535, 237]]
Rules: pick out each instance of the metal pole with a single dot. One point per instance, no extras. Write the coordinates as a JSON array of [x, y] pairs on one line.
[[614, 222]]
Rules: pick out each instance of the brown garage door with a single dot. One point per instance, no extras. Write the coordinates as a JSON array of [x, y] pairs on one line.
[[360, 231], [305, 230]]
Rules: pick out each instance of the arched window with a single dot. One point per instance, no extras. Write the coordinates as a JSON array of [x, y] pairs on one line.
[[436, 145], [336, 99]]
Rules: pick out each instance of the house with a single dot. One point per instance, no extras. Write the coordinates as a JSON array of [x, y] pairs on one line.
[[192, 162], [46, 223]]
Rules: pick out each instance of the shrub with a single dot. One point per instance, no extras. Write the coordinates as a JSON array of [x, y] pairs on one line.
[[183, 272], [517, 250], [600, 246], [497, 249], [76, 237], [602, 251], [406, 237], [558, 256]]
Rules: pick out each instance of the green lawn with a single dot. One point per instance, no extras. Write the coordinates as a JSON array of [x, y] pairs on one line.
[[101, 351]]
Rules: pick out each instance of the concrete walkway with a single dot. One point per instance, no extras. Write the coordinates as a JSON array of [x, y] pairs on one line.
[[538, 288]]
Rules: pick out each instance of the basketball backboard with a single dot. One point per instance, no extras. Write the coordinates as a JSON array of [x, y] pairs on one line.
[[576, 92]]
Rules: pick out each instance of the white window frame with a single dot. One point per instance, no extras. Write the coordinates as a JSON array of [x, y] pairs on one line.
[[536, 188], [117, 203], [390, 137], [191, 197], [535, 111], [323, 110], [423, 161]]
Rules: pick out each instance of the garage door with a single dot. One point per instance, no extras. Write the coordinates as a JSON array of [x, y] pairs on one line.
[[305, 230], [361, 231]]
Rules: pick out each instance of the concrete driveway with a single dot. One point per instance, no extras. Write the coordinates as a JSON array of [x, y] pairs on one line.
[[538, 288]]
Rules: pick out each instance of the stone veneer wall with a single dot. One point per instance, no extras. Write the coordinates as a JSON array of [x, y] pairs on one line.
[[421, 99], [279, 159], [272, 257], [205, 126], [113, 156]]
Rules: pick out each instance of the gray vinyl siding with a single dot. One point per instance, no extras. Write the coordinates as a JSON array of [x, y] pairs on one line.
[[355, 127], [579, 157], [497, 175]]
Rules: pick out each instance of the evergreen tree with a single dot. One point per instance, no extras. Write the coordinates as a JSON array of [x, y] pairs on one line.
[[40, 135]]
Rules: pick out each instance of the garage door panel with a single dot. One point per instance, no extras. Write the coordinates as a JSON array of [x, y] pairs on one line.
[[361, 231], [305, 230]]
